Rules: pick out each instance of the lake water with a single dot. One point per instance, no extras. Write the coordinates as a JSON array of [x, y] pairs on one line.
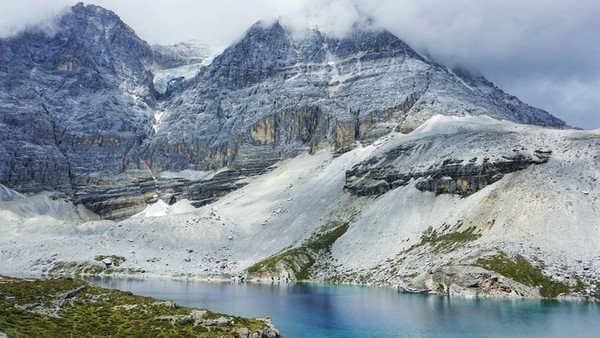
[[309, 310]]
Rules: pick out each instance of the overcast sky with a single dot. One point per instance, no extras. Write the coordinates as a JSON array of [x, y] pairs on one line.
[[546, 52]]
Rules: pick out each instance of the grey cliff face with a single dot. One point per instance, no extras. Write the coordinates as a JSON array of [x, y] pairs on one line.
[[77, 108], [271, 96], [76, 102]]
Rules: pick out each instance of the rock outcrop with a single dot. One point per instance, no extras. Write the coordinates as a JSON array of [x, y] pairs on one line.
[[455, 176], [472, 281], [121, 196]]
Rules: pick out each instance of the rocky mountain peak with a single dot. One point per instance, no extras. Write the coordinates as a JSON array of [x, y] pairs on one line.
[[102, 32], [81, 10], [263, 52], [270, 49], [94, 22], [74, 101], [374, 43], [82, 104], [277, 89]]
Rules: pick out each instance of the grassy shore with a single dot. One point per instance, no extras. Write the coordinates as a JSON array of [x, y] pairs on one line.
[[67, 307]]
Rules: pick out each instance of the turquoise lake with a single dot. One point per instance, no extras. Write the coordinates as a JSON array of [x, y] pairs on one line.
[[313, 310]]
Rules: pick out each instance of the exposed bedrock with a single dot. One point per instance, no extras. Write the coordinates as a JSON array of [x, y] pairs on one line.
[[124, 195], [463, 177]]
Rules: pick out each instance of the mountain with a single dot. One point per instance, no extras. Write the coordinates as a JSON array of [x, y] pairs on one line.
[[270, 96], [485, 200], [74, 103], [287, 157], [82, 103]]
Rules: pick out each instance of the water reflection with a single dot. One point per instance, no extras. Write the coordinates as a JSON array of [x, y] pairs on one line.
[[308, 310]]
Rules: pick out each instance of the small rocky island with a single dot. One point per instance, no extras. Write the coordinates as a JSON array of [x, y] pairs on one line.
[[72, 307]]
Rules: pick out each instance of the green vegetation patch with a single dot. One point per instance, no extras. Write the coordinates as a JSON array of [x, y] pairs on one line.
[[324, 240], [301, 260], [78, 268], [520, 270], [67, 307], [446, 242], [298, 260]]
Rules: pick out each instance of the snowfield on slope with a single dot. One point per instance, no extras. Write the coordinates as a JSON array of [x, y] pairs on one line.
[[549, 211]]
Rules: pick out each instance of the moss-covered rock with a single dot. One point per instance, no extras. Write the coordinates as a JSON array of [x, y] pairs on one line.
[[296, 263], [289, 265], [522, 271]]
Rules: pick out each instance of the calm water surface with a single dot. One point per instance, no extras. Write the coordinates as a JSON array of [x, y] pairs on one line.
[[309, 310]]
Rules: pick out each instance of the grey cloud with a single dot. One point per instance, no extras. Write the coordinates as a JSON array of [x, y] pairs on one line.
[[38, 15], [546, 52]]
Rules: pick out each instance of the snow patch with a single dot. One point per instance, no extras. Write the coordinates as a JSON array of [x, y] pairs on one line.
[[442, 124], [162, 77], [157, 120], [160, 208]]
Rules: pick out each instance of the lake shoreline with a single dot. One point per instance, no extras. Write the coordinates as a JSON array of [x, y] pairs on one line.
[[55, 306], [228, 278], [315, 309]]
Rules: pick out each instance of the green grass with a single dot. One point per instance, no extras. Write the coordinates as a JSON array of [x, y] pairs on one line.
[[298, 260], [98, 312], [446, 242], [324, 240], [522, 271], [301, 260]]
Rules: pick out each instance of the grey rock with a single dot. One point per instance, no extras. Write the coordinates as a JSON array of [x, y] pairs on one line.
[[472, 281], [455, 174], [180, 54], [72, 103], [119, 196], [403, 288], [77, 108], [243, 332]]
